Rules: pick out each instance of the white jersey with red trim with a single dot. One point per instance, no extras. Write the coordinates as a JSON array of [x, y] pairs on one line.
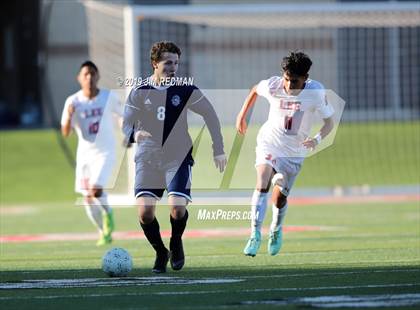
[[94, 122], [291, 118]]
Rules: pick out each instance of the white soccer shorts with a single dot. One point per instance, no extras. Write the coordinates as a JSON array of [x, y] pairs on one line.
[[289, 168]]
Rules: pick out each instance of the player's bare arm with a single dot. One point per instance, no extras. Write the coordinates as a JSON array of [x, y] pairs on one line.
[[66, 128], [311, 143], [241, 124]]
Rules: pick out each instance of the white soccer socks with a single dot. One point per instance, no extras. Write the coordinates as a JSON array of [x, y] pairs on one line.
[[258, 208], [278, 217], [94, 213]]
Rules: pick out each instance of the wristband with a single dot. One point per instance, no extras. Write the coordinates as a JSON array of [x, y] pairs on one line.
[[318, 138]]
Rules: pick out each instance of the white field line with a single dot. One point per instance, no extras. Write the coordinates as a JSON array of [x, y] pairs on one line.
[[138, 281], [198, 292], [276, 276], [108, 282]]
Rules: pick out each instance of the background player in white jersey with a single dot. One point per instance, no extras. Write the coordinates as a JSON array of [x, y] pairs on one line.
[[283, 141], [155, 116], [93, 114]]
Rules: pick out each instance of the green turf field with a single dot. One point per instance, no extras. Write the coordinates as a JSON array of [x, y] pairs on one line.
[[359, 254], [365, 251], [363, 153]]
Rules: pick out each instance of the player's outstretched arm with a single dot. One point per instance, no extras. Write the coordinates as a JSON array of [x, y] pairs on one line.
[[241, 124], [328, 126]]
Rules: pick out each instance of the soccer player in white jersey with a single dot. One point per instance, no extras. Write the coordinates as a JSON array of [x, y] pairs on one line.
[[93, 113], [283, 141]]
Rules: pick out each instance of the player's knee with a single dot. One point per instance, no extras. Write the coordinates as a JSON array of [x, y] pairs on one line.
[[279, 180], [146, 209], [178, 213], [97, 192], [146, 217]]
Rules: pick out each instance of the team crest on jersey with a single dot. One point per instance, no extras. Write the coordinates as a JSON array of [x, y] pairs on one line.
[[176, 100]]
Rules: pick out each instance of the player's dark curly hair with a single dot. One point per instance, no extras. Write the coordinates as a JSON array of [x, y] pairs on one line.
[[161, 47], [89, 64], [296, 63]]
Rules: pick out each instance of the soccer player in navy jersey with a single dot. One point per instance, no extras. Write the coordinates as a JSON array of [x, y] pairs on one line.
[[155, 117]]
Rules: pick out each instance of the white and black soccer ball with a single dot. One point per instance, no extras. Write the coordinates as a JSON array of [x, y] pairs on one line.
[[117, 262]]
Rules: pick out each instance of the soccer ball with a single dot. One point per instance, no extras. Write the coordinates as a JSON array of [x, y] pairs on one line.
[[117, 262]]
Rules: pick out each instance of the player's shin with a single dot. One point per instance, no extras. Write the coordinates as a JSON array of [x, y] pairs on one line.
[[276, 229], [178, 226], [258, 209], [94, 213], [107, 217], [278, 217], [175, 245], [103, 200], [152, 233]]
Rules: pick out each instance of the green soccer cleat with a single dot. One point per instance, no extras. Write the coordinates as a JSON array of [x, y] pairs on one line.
[[274, 242], [104, 240], [108, 224], [253, 244]]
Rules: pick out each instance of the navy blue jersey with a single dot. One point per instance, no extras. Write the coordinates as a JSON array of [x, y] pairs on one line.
[[163, 113]]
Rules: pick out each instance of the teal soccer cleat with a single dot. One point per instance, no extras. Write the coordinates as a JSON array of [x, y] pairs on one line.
[[274, 242], [253, 244]]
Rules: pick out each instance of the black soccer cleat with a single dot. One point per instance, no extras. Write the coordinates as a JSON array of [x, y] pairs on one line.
[[177, 254], [161, 261]]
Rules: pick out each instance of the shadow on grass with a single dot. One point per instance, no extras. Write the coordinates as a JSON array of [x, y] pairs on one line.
[[194, 288]]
